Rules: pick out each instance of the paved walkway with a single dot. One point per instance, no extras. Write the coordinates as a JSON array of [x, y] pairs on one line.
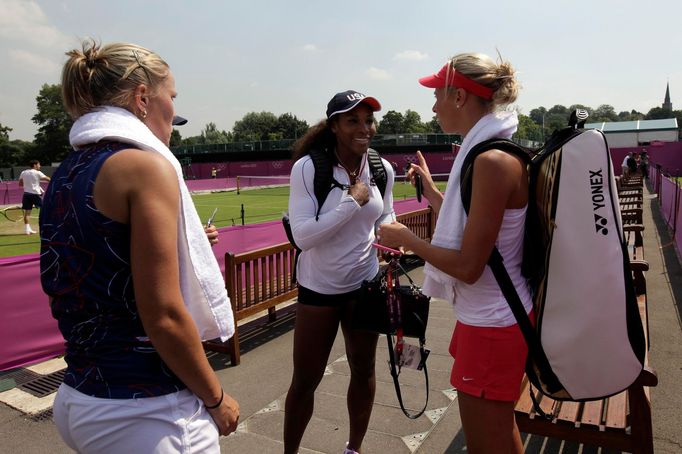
[[261, 381]]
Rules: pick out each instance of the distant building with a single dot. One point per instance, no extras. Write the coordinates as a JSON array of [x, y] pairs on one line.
[[637, 133], [666, 102]]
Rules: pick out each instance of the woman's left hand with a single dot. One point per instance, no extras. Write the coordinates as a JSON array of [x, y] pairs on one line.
[[393, 234], [212, 234]]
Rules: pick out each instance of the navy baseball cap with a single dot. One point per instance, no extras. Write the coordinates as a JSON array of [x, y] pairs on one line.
[[179, 121], [348, 100]]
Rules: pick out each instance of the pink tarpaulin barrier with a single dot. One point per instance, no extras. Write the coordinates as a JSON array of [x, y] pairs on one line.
[[29, 334], [11, 193]]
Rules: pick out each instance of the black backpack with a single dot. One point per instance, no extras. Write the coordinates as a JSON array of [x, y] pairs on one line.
[[588, 341], [324, 182]]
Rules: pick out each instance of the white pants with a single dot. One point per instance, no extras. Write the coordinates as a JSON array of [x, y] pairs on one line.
[[173, 423]]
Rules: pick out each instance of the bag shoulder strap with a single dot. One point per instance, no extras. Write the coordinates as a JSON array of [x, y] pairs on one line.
[[395, 374], [376, 166], [466, 176], [496, 263], [323, 181], [535, 351]]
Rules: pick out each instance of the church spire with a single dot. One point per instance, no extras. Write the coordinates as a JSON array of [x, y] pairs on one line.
[[666, 102]]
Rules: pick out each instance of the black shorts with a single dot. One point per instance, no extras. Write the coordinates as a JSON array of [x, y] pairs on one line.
[[312, 298], [28, 201]]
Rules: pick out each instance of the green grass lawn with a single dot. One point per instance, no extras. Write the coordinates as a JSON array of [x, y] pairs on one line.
[[260, 205]]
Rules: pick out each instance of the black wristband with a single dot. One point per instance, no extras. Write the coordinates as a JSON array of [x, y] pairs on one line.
[[211, 407]]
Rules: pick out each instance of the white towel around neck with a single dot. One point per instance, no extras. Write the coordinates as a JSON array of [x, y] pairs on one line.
[[452, 218], [201, 281]]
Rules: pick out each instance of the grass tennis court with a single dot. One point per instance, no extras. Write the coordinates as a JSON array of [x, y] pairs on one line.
[[260, 205]]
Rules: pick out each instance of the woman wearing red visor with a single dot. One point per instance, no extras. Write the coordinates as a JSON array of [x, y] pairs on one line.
[[472, 92]]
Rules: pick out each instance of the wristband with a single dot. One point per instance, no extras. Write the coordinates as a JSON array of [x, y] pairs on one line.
[[220, 401]]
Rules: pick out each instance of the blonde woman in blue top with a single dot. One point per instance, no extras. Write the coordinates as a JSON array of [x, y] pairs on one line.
[[118, 265]]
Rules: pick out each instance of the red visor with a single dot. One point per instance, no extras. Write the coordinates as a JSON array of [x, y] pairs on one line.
[[458, 80]]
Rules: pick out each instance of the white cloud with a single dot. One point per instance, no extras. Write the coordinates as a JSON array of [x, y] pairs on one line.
[[378, 74], [33, 62], [410, 55], [26, 23], [310, 48]]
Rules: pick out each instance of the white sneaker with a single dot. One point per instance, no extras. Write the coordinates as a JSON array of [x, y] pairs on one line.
[[349, 451], [29, 230]]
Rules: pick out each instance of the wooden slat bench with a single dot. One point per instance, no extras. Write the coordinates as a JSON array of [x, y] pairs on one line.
[[635, 246], [260, 280], [621, 422], [256, 281]]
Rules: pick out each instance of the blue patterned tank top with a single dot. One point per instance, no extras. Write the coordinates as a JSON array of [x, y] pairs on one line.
[[85, 269]]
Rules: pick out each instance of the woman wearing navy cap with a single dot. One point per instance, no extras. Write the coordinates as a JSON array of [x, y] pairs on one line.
[[471, 91], [337, 255]]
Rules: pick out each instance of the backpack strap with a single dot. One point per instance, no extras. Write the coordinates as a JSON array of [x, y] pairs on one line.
[[376, 166], [496, 264], [467, 174], [324, 180]]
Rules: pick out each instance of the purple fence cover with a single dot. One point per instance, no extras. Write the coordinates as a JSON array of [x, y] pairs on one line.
[[29, 334]]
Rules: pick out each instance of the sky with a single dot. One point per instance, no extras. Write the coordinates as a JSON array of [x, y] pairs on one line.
[[230, 57]]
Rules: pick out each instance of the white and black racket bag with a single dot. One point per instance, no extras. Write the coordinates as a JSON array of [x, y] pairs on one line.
[[588, 341]]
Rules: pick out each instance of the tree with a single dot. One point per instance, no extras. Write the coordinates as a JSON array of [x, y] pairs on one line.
[[633, 115], [391, 123], [255, 126], [15, 153], [52, 139], [605, 112], [537, 115], [412, 122], [4, 133], [175, 138], [433, 126], [658, 113], [290, 127], [210, 134], [528, 129]]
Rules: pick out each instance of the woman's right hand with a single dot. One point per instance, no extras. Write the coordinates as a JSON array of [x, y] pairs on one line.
[[360, 192], [226, 416], [429, 187]]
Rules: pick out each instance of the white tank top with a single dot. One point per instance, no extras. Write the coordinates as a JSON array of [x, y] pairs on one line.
[[482, 303]]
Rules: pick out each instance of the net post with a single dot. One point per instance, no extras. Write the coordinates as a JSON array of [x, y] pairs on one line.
[[237, 184], [242, 213]]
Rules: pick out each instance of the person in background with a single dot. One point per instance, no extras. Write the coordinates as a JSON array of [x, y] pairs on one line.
[[337, 256], [129, 272], [632, 164], [624, 166], [30, 180], [644, 163], [407, 168], [472, 91]]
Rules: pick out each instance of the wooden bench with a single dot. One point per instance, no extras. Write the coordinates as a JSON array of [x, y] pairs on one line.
[[256, 281], [635, 246], [631, 199], [621, 422], [259, 280]]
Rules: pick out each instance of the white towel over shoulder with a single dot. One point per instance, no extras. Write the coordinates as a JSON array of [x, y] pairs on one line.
[[452, 218], [201, 281]]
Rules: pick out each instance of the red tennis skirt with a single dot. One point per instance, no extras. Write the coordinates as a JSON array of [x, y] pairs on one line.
[[489, 361]]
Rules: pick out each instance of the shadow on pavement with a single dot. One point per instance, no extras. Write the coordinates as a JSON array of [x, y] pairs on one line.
[[670, 257]]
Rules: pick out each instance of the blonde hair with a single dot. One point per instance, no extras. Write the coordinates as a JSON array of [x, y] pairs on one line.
[[108, 75], [500, 77]]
